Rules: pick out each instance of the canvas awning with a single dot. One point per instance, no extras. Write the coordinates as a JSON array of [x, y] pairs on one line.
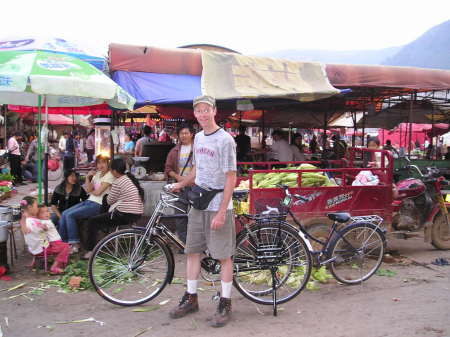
[[189, 62], [158, 76]]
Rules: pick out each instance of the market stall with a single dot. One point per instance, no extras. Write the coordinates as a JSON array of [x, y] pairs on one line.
[[333, 186], [148, 71]]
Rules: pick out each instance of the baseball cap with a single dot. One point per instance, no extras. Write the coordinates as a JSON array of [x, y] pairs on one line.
[[204, 99]]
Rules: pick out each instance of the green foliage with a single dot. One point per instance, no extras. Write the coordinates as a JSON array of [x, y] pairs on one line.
[[78, 268]]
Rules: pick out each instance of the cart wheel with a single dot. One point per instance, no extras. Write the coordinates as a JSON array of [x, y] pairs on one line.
[[440, 233]]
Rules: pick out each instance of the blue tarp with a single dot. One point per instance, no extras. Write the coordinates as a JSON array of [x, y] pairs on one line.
[[159, 88]]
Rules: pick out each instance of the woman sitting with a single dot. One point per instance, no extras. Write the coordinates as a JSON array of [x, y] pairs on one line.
[[67, 194], [98, 184], [129, 144], [126, 197]]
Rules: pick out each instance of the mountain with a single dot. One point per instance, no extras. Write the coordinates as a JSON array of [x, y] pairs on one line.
[[431, 50], [334, 56]]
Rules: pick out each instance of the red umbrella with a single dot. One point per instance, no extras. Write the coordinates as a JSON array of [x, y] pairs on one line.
[[100, 109], [54, 120]]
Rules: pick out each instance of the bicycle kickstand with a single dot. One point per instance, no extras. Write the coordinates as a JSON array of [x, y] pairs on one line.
[[274, 290]]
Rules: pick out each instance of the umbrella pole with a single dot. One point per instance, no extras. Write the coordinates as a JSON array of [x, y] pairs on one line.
[[39, 150], [4, 114], [46, 155]]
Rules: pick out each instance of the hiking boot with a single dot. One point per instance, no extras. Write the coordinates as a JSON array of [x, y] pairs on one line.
[[188, 304], [223, 313]]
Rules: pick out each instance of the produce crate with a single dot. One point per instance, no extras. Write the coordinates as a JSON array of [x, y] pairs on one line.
[[357, 200]]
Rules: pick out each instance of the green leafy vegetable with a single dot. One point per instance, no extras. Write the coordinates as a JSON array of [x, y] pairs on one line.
[[386, 272]]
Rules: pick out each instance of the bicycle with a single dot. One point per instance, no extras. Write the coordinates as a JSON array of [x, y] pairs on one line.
[[132, 266], [353, 252]]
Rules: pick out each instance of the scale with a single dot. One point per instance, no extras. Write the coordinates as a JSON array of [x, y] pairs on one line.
[[137, 169]]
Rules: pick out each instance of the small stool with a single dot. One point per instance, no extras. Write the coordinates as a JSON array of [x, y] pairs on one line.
[[40, 261], [12, 241]]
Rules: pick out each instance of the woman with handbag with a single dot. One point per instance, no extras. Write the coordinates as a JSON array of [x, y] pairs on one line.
[[178, 166]]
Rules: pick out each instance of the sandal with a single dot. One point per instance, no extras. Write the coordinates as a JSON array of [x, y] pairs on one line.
[[87, 255], [56, 271]]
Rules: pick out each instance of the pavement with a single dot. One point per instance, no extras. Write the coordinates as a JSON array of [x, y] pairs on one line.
[[413, 299]]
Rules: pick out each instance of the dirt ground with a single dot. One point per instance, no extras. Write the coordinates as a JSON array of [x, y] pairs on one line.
[[414, 302]]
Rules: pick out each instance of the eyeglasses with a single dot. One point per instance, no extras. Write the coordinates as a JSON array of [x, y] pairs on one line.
[[202, 111]]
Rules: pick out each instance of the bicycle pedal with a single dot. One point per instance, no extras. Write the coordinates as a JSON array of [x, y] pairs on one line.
[[216, 297]]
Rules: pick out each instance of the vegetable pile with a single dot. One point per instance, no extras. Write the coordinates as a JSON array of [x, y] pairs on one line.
[[309, 179], [6, 177], [294, 280], [74, 269]]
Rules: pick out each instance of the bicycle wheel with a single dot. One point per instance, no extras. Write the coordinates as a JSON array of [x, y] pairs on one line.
[[358, 252], [267, 247], [128, 269]]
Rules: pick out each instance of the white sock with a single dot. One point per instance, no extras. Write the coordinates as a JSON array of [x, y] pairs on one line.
[[192, 286], [226, 289]]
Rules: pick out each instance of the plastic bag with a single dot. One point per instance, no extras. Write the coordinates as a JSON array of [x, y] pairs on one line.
[[366, 178]]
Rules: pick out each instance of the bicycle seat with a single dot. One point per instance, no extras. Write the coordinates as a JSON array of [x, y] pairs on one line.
[[339, 217]]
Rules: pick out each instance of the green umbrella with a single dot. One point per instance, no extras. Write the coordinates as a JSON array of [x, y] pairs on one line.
[[29, 78]]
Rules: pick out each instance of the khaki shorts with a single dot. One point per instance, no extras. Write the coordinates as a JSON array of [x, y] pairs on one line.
[[220, 243]]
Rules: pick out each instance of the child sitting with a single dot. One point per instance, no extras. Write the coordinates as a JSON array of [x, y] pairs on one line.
[[41, 235]]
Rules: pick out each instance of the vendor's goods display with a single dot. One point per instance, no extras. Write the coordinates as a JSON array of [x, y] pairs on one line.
[[309, 179]]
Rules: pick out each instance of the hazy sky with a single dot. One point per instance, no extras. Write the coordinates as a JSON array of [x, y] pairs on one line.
[[247, 26]]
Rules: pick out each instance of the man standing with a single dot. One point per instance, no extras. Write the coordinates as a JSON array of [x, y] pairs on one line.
[[14, 156], [62, 143], [212, 228], [90, 146], [243, 143], [139, 149], [69, 153], [31, 160], [280, 149]]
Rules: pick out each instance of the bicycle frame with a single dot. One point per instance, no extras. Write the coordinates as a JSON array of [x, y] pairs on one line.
[[155, 227], [334, 229]]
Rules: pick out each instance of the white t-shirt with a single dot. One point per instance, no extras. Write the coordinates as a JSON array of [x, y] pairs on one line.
[[13, 146], [62, 143], [97, 180], [214, 156], [282, 151]]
